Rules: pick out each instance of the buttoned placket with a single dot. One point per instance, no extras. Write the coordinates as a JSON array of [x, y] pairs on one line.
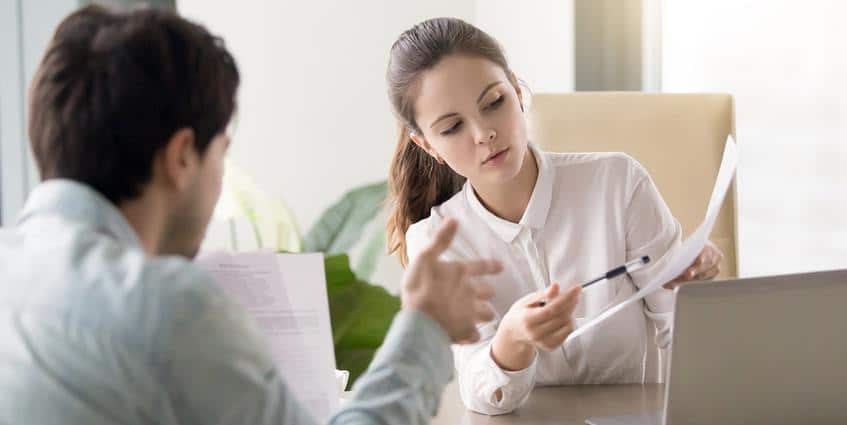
[[527, 241]]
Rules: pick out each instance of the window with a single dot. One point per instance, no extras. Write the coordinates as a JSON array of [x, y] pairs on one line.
[[784, 64]]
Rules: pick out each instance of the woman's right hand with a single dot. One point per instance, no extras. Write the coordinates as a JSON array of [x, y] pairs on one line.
[[529, 325]]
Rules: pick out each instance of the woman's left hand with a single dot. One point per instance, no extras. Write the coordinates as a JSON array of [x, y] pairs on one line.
[[706, 266]]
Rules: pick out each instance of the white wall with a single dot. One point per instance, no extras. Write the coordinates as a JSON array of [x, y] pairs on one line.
[[538, 38], [785, 63], [314, 119], [25, 29]]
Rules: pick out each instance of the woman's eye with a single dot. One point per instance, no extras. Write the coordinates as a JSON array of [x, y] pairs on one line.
[[496, 103], [452, 129]]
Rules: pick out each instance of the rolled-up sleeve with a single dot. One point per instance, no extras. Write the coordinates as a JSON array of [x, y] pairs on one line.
[[480, 377]]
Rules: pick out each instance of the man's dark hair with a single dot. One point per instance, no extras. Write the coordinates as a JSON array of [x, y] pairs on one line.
[[113, 87]]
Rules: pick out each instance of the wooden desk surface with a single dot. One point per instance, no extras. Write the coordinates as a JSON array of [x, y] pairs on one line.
[[558, 405]]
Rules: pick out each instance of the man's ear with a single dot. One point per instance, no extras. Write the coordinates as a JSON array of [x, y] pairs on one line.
[[424, 144], [179, 159]]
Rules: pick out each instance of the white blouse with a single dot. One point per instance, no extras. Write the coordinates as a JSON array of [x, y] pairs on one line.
[[588, 213]]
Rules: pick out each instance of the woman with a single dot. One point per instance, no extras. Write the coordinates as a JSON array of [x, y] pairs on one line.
[[464, 152]]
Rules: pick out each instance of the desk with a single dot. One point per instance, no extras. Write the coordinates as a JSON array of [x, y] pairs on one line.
[[558, 405]]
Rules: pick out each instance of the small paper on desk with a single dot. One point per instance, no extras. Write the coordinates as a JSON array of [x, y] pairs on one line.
[[690, 248], [286, 296]]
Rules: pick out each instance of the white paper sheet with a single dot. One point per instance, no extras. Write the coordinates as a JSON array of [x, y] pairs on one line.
[[690, 248], [286, 295]]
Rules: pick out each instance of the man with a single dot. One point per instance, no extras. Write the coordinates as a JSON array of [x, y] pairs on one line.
[[103, 319]]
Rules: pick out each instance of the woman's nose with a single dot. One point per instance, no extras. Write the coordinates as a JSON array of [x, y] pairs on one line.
[[487, 136]]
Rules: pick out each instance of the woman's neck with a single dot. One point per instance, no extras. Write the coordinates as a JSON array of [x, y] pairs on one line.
[[509, 200]]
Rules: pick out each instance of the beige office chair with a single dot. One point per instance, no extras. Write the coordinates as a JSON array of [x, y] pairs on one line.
[[679, 138]]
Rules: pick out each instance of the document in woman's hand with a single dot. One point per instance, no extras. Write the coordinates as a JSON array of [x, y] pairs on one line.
[[689, 249]]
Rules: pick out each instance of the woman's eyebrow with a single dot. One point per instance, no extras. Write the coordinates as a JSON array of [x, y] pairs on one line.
[[487, 88]]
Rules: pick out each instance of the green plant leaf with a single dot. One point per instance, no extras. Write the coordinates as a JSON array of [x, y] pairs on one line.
[[342, 224], [360, 313], [369, 258]]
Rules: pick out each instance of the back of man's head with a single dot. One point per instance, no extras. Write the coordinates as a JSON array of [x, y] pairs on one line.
[[113, 87]]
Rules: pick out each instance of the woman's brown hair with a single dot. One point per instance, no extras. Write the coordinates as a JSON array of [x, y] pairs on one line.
[[417, 182]]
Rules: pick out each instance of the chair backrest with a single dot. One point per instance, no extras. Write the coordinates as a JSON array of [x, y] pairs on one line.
[[679, 138]]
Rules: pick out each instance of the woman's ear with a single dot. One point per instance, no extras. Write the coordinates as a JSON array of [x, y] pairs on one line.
[[514, 80], [424, 144]]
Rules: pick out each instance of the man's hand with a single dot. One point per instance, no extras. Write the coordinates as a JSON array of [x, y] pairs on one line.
[[448, 291]]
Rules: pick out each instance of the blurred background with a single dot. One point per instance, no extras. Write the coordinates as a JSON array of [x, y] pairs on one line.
[[314, 120]]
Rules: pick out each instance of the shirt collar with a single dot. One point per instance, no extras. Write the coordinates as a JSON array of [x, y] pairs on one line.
[[536, 211], [77, 202]]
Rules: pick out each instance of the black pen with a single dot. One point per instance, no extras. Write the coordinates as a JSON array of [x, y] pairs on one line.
[[615, 272]]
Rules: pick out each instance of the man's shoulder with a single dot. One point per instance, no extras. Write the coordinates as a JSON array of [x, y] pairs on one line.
[[98, 282]]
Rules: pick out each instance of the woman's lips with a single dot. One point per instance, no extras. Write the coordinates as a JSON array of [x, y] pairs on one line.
[[496, 158]]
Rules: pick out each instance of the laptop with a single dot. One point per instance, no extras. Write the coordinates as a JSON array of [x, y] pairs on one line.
[[769, 350]]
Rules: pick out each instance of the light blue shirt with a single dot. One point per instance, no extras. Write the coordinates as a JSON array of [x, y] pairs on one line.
[[94, 331]]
